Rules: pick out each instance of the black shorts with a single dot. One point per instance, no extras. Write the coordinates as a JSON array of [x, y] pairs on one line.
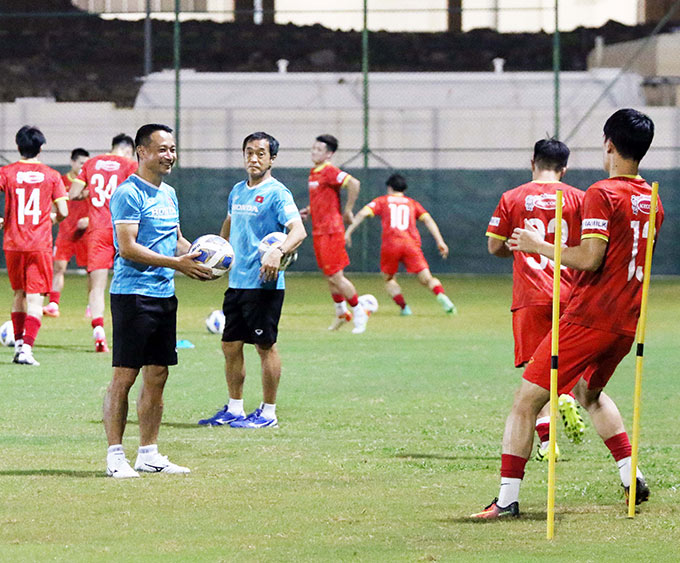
[[144, 330], [252, 315]]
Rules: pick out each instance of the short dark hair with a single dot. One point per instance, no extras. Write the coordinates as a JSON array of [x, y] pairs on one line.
[[122, 139], [551, 154], [260, 135], [29, 141], [631, 132], [144, 133], [330, 142], [75, 153], [397, 182]]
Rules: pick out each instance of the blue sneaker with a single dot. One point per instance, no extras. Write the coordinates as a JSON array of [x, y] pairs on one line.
[[406, 311], [221, 418], [255, 420]]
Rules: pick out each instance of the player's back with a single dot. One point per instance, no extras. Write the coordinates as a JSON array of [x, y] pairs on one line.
[[617, 211], [325, 182], [102, 175], [398, 214], [30, 188], [534, 203]]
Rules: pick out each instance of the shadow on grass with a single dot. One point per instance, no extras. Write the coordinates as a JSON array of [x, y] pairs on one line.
[[52, 473], [191, 425], [445, 457], [69, 347], [534, 516]]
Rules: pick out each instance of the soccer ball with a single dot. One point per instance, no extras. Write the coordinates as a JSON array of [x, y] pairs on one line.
[[216, 253], [369, 303], [214, 322], [7, 334], [272, 240]]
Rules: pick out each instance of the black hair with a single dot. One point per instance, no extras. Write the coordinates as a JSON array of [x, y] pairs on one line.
[[551, 154], [75, 153], [631, 132], [144, 133], [122, 139], [330, 142], [29, 141], [397, 182], [260, 135]]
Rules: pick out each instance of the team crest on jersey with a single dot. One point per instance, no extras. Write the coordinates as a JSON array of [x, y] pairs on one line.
[[30, 177], [107, 165], [259, 199], [543, 201], [641, 203]]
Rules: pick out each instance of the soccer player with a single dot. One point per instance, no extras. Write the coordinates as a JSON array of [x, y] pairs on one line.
[[149, 246], [597, 329], [532, 283], [71, 239], [100, 176], [252, 304], [30, 190], [328, 230], [401, 241]]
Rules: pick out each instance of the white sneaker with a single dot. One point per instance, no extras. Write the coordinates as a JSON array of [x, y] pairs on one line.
[[157, 463], [340, 321], [24, 357], [119, 468], [360, 320]]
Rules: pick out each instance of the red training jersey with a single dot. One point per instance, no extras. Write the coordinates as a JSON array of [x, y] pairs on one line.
[[398, 215], [30, 188], [77, 209], [102, 174], [617, 211], [325, 182], [534, 202]]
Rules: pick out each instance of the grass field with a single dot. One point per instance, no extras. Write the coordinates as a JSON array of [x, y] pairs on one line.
[[387, 442]]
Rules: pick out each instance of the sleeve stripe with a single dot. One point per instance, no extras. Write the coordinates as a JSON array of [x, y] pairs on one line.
[[423, 215], [61, 198], [494, 235], [370, 211], [347, 179], [127, 222], [595, 235]]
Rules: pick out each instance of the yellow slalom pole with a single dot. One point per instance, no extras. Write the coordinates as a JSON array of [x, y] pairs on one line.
[[642, 323], [553, 363]]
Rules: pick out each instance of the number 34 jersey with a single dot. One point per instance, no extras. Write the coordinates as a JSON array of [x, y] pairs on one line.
[[102, 174], [398, 215], [30, 188], [534, 203]]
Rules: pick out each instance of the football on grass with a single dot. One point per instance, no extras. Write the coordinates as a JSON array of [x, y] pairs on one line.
[[214, 322], [369, 303], [7, 334], [215, 252], [272, 240]]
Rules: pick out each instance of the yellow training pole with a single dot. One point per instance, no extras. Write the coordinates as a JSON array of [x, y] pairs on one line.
[[553, 363], [642, 322]]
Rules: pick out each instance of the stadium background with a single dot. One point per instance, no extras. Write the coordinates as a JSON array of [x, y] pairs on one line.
[[53, 51]]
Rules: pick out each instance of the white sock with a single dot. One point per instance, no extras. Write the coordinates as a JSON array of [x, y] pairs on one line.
[[268, 411], [27, 349], [98, 333], [509, 492], [624, 466], [235, 406], [115, 449], [358, 309], [148, 450], [340, 308]]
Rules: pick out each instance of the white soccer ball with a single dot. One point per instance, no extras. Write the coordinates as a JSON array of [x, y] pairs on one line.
[[216, 253], [369, 303], [272, 240], [214, 322], [7, 334]]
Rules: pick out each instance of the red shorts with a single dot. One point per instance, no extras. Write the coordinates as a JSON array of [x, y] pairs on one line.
[[66, 246], [410, 255], [100, 250], [529, 327], [330, 252], [584, 352], [30, 271]]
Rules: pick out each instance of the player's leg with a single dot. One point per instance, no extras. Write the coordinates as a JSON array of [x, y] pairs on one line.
[[18, 313], [115, 410], [342, 314], [394, 291], [426, 278], [54, 296], [543, 432], [34, 302], [97, 299], [341, 285]]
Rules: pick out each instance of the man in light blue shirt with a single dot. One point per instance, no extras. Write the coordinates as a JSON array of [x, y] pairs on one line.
[[252, 304], [145, 218]]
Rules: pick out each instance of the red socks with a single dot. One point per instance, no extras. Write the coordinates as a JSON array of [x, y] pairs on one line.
[[32, 326], [437, 289], [512, 466], [399, 300], [353, 301], [18, 322], [543, 431], [619, 446], [55, 296], [338, 297], [99, 321]]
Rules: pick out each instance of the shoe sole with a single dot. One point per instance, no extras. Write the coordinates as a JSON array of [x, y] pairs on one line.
[[112, 474]]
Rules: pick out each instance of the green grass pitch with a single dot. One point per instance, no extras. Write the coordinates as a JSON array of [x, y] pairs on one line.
[[387, 442]]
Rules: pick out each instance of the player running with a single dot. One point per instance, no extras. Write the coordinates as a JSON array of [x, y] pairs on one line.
[[252, 304], [532, 276], [30, 189], [597, 329], [401, 241], [71, 238], [100, 176], [328, 230]]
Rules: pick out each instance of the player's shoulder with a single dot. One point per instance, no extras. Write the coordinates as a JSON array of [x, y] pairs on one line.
[[277, 185]]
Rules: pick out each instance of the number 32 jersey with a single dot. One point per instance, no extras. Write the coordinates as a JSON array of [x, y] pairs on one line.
[[534, 202], [30, 188], [103, 174]]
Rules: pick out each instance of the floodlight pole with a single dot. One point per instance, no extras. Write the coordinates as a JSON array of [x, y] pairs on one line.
[[176, 50], [556, 70], [147, 40], [365, 148]]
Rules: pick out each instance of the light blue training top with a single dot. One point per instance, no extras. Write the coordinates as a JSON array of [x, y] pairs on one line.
[[156, 211], [255, 212]]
